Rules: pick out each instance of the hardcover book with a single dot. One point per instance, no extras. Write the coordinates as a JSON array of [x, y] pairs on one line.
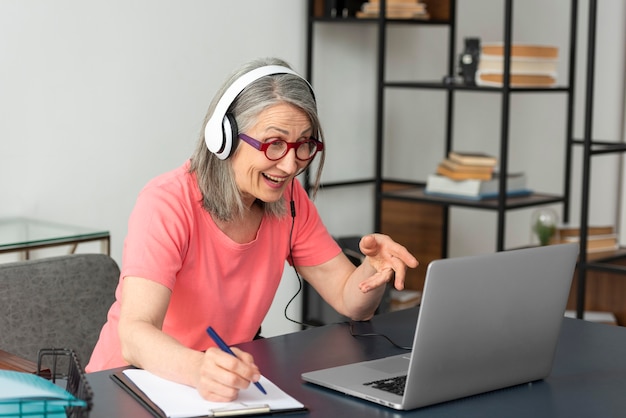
[[574, 231], [475, 189], [466, 168], [597, 243], [522, 50], [472, 158], [496, 79], [463, 175]]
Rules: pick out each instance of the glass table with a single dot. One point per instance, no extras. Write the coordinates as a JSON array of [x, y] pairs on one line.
[[24, 234]]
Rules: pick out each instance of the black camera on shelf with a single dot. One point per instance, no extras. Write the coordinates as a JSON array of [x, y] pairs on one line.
[[342, 8], [468, 61]]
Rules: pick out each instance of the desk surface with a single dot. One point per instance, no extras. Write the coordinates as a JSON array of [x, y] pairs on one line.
[[588, 378], [24, 233]]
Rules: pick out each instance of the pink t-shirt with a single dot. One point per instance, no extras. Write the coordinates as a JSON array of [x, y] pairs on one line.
[[214, 281]]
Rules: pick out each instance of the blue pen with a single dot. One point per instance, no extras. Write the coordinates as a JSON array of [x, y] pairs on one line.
[[221, 344]]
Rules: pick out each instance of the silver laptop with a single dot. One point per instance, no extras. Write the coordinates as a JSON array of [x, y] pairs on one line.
[[486, 322]]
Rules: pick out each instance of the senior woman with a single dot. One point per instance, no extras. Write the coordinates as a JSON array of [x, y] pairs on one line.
[[207, 242]]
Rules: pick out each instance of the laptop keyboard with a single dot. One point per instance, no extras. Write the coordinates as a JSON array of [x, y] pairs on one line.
[[393, 385]]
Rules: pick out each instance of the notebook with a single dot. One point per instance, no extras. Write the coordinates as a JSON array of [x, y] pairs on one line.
[[168, 399], [486, 322]]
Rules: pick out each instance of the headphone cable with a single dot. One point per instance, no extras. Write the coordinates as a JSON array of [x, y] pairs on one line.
[[292, 208]]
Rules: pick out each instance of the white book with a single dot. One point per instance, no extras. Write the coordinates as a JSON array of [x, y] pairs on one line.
[[531, 65], [496, 79], [495, 64], [475, 189]]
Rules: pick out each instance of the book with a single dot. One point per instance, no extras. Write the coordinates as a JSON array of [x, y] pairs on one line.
[[496, 79], [530, 65], [411, 9], [375, 7], [466, 168], [394, 14], [166, 398], [462, 174], [597, 243], [474, 189], [472, 158], [495, 64], [521, 50], [574, 231]]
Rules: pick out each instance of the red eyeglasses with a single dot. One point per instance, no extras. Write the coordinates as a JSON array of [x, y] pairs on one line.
[[276, 149]]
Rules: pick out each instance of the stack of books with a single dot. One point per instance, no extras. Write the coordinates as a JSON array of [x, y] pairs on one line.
[[394, 9], [531, 65], [600, 238], [470, 175], [466, 165]]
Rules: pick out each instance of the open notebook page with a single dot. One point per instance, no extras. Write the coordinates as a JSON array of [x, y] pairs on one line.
[[179, 401]]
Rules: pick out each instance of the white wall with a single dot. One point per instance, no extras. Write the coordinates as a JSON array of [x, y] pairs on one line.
[[99, 96]]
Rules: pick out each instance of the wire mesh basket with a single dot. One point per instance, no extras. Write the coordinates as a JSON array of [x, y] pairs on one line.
[[62, 367]]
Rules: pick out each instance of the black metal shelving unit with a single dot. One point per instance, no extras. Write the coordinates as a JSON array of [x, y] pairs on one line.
[[500, 205], [591, 148], [415, 190]]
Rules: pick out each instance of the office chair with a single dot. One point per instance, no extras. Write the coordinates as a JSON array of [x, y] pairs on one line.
[[55, 302]]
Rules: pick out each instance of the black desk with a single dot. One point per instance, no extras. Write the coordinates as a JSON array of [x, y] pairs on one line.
[[588, 378]]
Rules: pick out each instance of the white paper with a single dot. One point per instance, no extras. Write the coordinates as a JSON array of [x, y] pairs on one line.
[[178, 401]]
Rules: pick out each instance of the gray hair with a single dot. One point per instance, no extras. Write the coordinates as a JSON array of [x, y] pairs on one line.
[[216, 178]]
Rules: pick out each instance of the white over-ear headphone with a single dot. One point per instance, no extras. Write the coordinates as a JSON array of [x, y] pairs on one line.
[[221, 132]]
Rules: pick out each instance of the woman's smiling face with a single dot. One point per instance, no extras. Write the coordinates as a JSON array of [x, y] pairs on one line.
[[255, 175]]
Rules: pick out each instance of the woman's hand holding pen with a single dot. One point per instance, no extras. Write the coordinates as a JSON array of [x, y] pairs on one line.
[[388, 258], [222, 375]]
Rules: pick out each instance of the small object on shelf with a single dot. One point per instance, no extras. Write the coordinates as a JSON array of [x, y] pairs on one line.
[[452, 80], [342, 8], [333, 8], [468, 61], [472, 158], [543, 223]]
